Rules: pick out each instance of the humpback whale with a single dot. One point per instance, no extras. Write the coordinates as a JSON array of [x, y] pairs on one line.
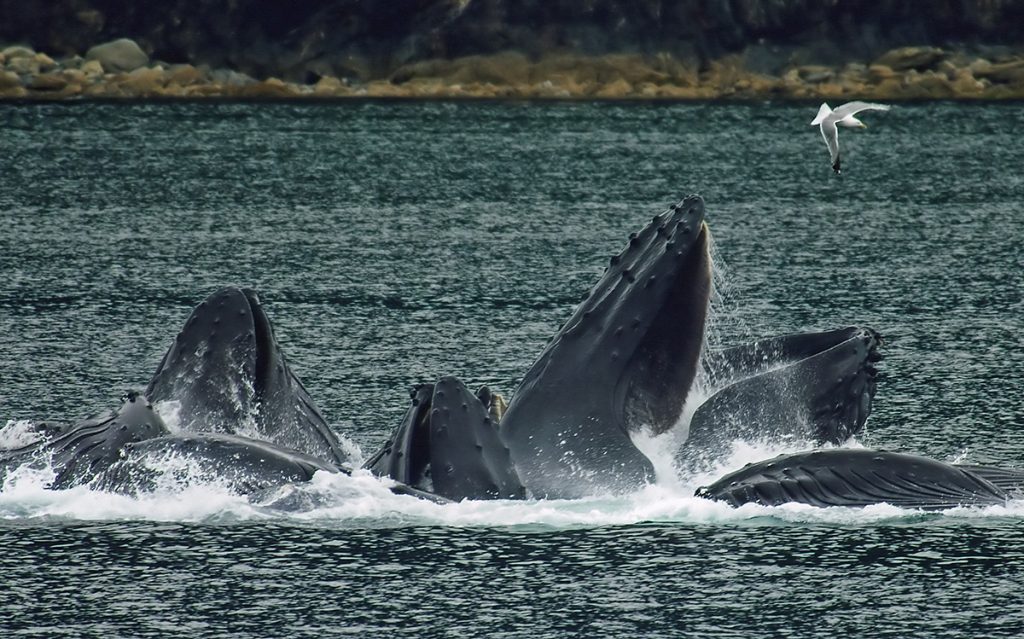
[[79, 451], [813, 387], [229, 375], [863, 477], [244, 418], [626, 362], [448, 445]]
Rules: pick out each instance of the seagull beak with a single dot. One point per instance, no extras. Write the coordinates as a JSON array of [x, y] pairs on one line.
[[863, 126]]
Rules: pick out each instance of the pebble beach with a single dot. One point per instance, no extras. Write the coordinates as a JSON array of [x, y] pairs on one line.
[[120, 69]]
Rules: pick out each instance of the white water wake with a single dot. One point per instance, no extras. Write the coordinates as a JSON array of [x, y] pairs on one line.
[[361, 500], [364, 501]]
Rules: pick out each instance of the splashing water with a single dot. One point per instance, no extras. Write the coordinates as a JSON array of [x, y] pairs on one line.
[[361, 500], [169, 412], [720, 322], [18, 434]]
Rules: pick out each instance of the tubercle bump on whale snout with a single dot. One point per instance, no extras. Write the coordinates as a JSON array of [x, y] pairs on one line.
[[685, 217], [692, 204]]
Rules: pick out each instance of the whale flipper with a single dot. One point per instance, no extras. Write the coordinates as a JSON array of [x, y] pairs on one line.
[[448, 445], [625, 361], [230, 376], [815, 387], [856, 477]]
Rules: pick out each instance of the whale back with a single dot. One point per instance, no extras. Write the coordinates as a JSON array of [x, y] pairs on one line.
[[405, 457]]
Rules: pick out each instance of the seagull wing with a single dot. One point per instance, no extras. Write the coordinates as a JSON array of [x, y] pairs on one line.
[[852, 108], [831, 135], [823, 112]]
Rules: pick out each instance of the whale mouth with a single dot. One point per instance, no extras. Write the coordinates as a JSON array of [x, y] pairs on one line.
[[216, 366], [814, 387], [624, 361], [263, 336], [448, 445], [406, 457], [229, 376], [665, 363]]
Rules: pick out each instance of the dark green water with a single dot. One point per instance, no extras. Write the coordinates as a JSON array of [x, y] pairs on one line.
[[393, 243]]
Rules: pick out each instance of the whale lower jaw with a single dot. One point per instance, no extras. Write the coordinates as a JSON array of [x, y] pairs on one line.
[[862, 477]]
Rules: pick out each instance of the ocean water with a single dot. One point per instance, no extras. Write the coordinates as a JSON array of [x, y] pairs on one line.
[[396, 242]]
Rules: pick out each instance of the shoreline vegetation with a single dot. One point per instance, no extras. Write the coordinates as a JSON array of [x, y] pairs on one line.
[[120, 69]]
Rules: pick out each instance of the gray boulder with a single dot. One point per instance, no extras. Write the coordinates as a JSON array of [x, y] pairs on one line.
[[906, 58], [17, 51], [118, 55], [230, 78], [9, 80]]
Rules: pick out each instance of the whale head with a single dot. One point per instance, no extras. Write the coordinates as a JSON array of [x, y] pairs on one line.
[[229, 375], [624, 361]]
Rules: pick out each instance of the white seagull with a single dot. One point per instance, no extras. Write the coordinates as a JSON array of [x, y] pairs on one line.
[[828, 119]]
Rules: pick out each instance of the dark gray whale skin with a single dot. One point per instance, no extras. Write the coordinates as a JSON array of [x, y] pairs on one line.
[[447, 444], [77, 452], [625, 360], [244, 465], [115, 451], [121, 451], [862, 477], [229, 375], [815, 387]]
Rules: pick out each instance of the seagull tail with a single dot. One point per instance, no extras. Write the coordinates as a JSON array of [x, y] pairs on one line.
[[823, 112]]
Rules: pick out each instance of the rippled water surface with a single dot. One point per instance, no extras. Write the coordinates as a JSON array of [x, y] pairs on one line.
[[393, 243]]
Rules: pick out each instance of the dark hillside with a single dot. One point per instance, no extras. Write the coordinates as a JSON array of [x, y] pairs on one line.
[[371, 38]]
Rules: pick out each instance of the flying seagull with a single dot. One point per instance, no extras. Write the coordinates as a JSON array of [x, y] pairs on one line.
[[828, 119]]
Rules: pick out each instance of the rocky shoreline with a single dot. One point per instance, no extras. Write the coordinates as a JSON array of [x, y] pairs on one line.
[[122, 70]]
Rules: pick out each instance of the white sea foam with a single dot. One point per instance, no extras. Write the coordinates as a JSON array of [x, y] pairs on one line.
[[17, 434], [364, 501], [170, 413], [24, 495]]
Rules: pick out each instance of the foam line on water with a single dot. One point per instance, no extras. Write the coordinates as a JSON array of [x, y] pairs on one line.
[[25, 495], [364, 501]]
